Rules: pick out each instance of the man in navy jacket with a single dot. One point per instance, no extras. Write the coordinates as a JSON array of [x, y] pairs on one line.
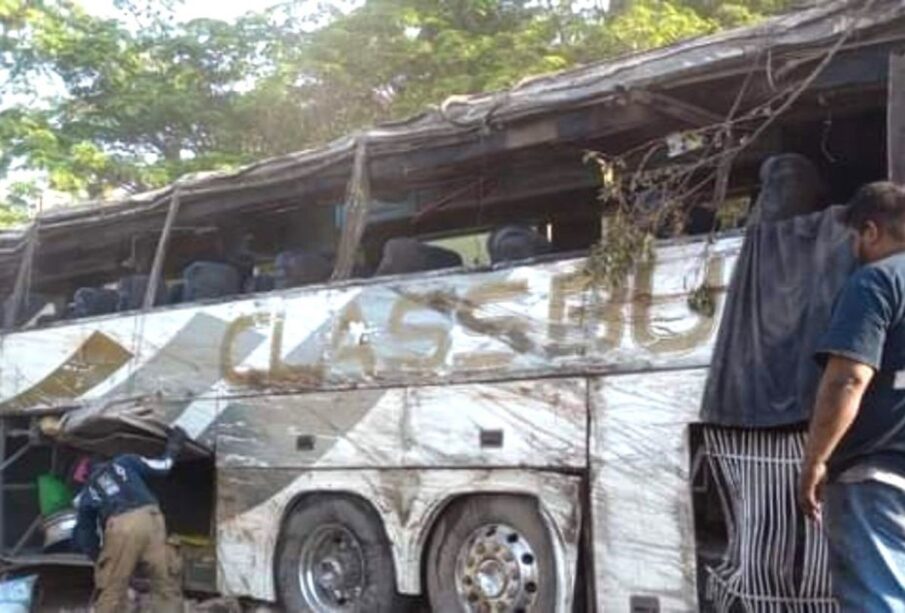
[[115, 503]]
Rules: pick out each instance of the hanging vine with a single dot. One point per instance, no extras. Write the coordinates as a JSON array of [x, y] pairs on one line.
[[643, 198]]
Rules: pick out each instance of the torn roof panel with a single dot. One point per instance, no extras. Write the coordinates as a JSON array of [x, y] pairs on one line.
[[460, 118]]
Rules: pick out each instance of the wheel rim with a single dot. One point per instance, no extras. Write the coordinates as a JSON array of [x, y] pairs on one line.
[[331, 569], [496, 570]]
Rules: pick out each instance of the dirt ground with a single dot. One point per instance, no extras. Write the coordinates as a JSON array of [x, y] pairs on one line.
[[70, 590]]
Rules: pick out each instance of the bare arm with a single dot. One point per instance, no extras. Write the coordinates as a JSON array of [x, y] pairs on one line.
[[842, 386]]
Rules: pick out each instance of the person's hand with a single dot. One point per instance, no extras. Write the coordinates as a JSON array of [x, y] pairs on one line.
[[175, 442], [810, 488]]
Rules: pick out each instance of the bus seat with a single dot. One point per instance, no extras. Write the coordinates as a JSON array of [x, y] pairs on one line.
[[515, 242], [205, 280], [131, 290], [259, 283], [404, 255], [175, 291], [298, 267], [90, 301]]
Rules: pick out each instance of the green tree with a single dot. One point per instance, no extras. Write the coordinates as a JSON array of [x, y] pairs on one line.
[[392, 58], [11, 216], [137, 107], [97, 104]]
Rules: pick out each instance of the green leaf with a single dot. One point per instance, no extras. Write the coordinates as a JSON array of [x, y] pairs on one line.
[[134, 108]]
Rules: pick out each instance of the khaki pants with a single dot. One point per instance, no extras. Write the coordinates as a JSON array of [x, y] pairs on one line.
[[138, 536]]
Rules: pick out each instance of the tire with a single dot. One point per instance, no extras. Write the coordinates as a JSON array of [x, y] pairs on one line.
[[336, 528], [501, 524]]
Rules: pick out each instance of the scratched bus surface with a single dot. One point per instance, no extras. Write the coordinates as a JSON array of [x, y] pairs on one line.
[[526, 321]]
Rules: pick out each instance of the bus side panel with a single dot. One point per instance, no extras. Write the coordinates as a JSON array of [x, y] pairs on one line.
[[643, 527], [529, 321], [252, 503], [538, 423]]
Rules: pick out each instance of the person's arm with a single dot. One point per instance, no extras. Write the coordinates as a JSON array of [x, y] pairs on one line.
[[851, 352], [842, 386], [161, 466]]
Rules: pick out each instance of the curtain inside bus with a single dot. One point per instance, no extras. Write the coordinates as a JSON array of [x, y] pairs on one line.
[[778, 305]]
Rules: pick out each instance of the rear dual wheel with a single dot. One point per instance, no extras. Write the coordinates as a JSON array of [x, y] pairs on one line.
[[490, 554], [487, 554], [334, 557]]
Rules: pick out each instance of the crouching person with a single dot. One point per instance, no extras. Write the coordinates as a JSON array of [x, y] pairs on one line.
[[120, 525]]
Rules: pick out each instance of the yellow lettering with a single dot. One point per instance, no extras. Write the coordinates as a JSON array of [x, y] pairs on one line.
[[512, 330], [228, 364], [644, 300], [571, 327], [282, 372], [359, 351], [437, 335]]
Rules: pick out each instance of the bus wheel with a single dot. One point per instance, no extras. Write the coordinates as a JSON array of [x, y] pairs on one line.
[[334, 556], [491, 553]]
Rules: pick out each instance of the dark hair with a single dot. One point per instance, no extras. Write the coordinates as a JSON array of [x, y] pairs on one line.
[[883, 203]]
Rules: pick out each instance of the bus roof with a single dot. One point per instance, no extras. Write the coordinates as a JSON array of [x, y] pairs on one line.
[[616, 100]]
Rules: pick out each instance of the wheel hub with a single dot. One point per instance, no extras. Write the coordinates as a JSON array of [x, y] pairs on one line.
[[496, 571], [331, 569], [492, 578]]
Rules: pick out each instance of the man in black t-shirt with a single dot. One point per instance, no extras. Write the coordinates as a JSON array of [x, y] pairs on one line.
[[853, 474]]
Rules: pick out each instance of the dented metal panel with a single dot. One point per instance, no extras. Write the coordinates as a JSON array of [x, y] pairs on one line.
[[537, 423], [252, 503], [527, 321], [641, 511], [410, 391]]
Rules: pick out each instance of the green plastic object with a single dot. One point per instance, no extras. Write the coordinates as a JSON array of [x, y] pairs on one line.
[[53, 495]]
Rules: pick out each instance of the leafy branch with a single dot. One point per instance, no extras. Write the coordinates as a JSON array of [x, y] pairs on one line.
[[640, 202]]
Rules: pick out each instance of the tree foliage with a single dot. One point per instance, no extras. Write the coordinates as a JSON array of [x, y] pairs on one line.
[[11, 215], [91, 105]]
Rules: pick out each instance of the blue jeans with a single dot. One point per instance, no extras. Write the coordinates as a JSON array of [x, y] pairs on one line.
[[865, 527]]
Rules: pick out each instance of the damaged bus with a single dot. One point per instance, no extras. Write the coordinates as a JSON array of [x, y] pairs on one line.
[[406, 379]]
